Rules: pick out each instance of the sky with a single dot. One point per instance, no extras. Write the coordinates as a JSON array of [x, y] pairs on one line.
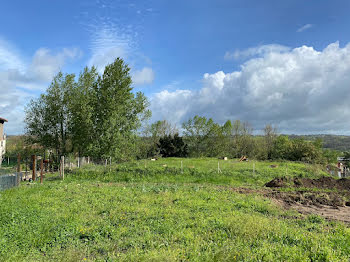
[[285, 63]]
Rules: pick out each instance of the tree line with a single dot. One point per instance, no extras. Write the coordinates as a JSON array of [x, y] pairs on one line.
[[99, 115], [203, 137]]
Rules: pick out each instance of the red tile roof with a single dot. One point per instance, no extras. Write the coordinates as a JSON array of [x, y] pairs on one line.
[[3, 119]]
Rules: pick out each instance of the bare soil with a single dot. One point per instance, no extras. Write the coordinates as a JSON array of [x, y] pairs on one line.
[[332, 205], [322, 183]]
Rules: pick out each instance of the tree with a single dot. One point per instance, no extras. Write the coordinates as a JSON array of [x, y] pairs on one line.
[[97, 114], [172, 146], [281, 148], [48, 118], [81, 111], [117, 112], [197, 131], [243, 143], [154, 132], [270, 134], [162, 129]]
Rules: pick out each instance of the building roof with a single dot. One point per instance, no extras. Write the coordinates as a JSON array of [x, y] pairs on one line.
[[3, 120]]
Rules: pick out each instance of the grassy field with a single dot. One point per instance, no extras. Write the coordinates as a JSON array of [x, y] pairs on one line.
[[145, 211]]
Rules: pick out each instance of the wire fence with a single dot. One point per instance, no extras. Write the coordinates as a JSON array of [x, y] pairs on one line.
[[35, 167]]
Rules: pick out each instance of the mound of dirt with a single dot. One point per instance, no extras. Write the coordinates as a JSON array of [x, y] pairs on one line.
[[277, 182], [323, 183]]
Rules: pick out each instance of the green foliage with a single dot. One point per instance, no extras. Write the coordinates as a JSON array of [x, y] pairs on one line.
[[172, 146], [197, 132], [48, 117], [116, 112], [207, 138], [81, 110], [96, 115], [151, 135]]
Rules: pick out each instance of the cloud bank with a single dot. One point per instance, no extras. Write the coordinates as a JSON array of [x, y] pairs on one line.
[[301, 90], [21, 81]]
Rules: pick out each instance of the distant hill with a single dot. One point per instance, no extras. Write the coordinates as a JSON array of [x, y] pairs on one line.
[[337, 142]]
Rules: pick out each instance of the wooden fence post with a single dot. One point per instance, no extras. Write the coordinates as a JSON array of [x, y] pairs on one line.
[[34, 167], [26, 167], [41, 171], [62, 166]]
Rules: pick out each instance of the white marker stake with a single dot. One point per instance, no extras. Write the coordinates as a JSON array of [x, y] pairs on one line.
[[219, 170]]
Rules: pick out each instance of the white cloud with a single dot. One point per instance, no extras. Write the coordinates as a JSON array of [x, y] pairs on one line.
[[144, 76], [107, 44], [173, 106], [304, 27], [45, 65], [301, 90], [113, 36], [255, 51], [19, 81], [9, 59]]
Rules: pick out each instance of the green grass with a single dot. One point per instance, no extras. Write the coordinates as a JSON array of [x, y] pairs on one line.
[[98, 215], [203, 171]]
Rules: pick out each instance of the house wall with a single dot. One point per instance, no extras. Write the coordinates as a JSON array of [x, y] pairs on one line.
[[1, 131], [2, 142]]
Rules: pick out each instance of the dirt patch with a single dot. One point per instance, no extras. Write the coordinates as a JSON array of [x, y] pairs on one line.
[[312, 198], [322, 183], [339, 213], [330, 205]]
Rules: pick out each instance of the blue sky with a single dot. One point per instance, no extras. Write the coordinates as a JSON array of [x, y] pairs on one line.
[[279, 62]]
